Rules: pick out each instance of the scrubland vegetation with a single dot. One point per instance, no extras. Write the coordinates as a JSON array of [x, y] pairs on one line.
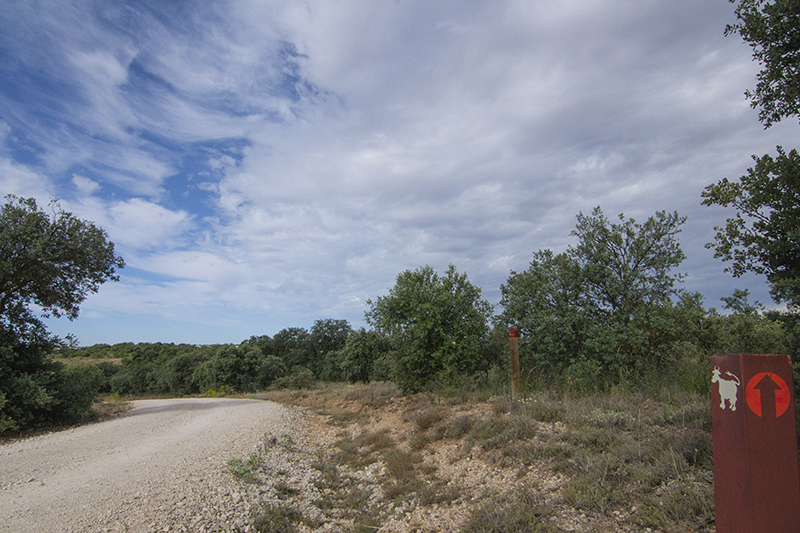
[[473, 460], [613, 431], [608, 314]]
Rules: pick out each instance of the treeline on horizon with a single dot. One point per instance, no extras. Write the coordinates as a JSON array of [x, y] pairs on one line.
[[608, 312], [293, 358], [332, 351]]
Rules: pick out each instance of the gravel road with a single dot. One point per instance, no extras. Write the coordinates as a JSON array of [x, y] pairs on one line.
[[160, 467]]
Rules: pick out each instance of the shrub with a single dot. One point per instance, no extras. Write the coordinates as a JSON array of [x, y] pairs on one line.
[[519, 512], [437, 324], [40, 392], [79, 390], [360, 353], [300, 378], [277, 519]]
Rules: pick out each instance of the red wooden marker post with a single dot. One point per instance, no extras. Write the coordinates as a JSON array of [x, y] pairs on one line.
[[756, 474], [513, 335]]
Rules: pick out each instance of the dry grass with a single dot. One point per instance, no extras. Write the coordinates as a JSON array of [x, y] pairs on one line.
[[548, 463]]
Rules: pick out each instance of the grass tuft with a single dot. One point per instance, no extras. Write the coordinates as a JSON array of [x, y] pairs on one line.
[[278, 519], [245, 469], [520, 512]]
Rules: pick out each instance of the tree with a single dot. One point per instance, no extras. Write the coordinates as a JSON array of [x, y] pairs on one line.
[[326, 338], [292, 346], [764, 236], [628, 267], [178, 372], [599, 307], [772, 29], [546, 302], [746, 329], [362, 349], [437, 324], [243, 368], [52, 261]]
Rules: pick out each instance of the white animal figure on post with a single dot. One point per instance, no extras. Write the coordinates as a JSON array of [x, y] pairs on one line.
[[727, 388]]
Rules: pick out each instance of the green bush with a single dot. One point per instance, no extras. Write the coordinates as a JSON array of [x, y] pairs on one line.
[[300, 378], [122, 384], [36, 391], [360, 354], [79, 390], [107, 371], [178, 373], [437, 324]]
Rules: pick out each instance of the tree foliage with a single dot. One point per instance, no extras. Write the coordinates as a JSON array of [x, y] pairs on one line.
[[747, 329], [51, 261], [258, 363], [292, 346], [360, 354], [772, 29], [604, 306], [241, 368], [627, 267], [326, 340], [548, 305], [437, 324], [764, 236]]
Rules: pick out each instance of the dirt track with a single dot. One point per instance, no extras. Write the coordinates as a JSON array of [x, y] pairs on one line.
[[160, 467]]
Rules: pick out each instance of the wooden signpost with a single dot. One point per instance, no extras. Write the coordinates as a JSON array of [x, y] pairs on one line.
[[756, 474], [513, 335]]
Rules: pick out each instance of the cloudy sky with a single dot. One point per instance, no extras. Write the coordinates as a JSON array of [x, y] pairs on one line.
[[261, 164]]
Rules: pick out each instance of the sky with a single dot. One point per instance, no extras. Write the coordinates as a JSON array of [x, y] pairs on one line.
[[263, 164]]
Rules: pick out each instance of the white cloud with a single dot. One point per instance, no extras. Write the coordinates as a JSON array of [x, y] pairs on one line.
[[144, 225], [196, 266], [393, 135], [84, 185], [19, 180]]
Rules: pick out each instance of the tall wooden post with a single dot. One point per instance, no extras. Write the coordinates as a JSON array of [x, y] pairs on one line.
[[513, 335], [756, 478]]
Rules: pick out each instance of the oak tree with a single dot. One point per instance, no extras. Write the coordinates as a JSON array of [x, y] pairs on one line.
[[49, 263], [764, 235], [437, 324], [597, 308], [772, 29]]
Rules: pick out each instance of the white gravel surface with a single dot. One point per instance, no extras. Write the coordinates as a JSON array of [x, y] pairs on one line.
[[160, 467]]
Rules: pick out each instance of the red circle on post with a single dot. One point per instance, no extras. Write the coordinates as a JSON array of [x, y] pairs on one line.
[[771, 384]]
